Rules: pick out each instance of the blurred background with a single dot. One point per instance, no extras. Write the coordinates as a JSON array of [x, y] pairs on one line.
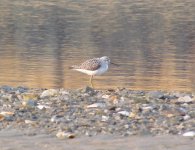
[[152, 41]]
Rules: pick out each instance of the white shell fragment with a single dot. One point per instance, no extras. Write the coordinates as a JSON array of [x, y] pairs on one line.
[[124, 113], [42, 106], [6, 113], [63, 135], [49, 93], [105, 118], [57, 119], [96, 105], [186, 117], [189, 133], [29, 122], [105, 96], [147, 108], [185, 99]]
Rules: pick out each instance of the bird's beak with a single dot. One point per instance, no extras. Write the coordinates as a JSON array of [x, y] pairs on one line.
[[114, 64]]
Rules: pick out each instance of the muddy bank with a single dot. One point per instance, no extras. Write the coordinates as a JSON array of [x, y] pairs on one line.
[[13, 139]]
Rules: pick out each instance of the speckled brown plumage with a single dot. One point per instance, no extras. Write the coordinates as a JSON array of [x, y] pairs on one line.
[[91, 64]]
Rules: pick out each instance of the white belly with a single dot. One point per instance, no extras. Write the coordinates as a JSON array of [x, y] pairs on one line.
[[100, 71]]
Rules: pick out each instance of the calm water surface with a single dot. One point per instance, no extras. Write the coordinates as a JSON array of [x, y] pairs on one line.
[[152, 41]]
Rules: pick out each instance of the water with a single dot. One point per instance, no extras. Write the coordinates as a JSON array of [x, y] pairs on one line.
[[152, 41]]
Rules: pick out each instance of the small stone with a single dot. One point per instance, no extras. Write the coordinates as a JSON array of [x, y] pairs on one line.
[[113, 108], [114, 99], [169, 115], [30, 122], [124, 113], [21, 89], [8, 118], [185, 99], [6, 88], [105, 118], [132, 115], [97, 105], [192, 114], [89, 90], [64, 92], [7, 97], [126, 126], [155, 94], [189, 133], [147, 108], [2, 117], [28, 96], [49, 93], [7, 113], [117, 117], [63, 135], [182, 110], [118, 109], [43, 106], [57, 119], [29, 103], [186, 117], [105, 96]]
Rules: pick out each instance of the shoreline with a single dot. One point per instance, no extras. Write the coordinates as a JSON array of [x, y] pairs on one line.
[[88, 113], [16, 140]]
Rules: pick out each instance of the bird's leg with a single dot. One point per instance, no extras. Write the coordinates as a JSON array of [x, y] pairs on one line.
[[91, 78]]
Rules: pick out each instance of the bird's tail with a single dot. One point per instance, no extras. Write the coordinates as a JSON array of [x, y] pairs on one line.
[[70, 67]]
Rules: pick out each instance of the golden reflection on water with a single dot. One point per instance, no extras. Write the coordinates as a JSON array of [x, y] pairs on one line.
[[153, 42], [44, 74]]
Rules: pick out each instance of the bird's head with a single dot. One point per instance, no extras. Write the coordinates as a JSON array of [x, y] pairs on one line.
[[105, 59]]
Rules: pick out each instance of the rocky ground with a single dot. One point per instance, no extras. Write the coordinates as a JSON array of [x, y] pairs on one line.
[[87, 112]]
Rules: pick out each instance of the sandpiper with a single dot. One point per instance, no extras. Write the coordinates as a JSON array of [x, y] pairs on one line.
[[93, 67]]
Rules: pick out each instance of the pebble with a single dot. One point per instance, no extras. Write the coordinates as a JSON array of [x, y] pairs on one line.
[[7, 113], [105, 118], [29, 103], [7, 97], [186, 117], [49, 93], [89, 90], [30, 96], [155, 94], [185, 99], [30, 122], [2, 117], [57, 119], [124, 113], [105, 96], [189, 133], [192, 113], [147, 107], [43, 106], [89, 112], [97, 105], [132, 115], [63, 135]]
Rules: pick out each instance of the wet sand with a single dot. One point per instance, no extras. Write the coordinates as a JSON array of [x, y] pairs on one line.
[[17, 140]]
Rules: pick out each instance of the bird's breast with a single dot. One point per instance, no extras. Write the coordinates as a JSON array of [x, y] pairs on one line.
[[102, 69]]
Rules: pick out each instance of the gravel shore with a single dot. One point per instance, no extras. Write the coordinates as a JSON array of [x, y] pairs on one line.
[[67, 114]]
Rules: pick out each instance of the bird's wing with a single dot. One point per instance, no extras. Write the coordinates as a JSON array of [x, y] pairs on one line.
[[91, 64]]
